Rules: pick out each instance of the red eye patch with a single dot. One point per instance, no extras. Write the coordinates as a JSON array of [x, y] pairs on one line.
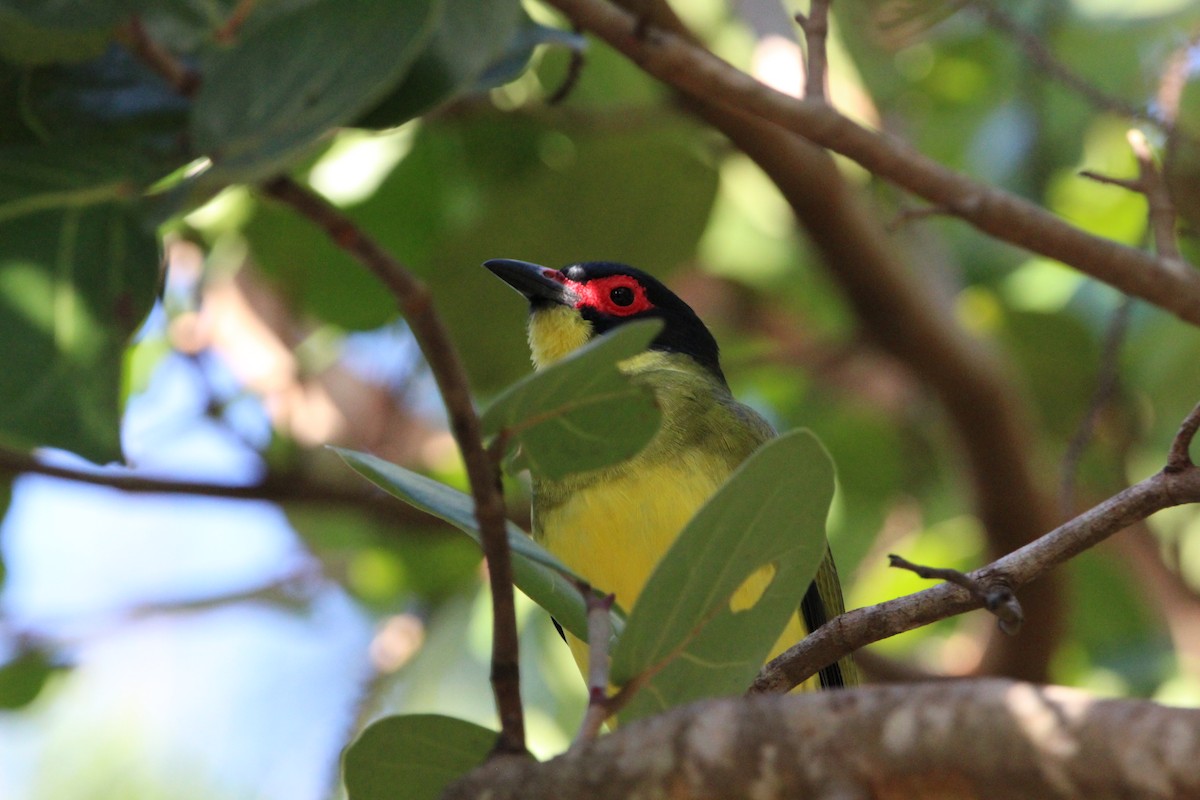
[[618, 295]]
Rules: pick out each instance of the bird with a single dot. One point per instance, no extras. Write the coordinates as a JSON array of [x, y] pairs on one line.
[[612, 525]]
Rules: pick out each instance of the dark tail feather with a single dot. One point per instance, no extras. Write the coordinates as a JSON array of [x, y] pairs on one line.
[[822, 602], [815, 615]]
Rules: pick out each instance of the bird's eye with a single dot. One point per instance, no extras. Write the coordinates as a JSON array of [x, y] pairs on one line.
[[621, 295]]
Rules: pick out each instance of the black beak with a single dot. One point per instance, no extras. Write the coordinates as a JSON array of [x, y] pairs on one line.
[[540, 285]]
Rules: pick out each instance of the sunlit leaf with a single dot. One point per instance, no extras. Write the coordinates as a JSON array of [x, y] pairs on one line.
[[413, 757], [582, 412], [771, 511], [536, 572]]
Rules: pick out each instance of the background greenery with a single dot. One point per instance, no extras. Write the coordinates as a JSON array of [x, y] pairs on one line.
[[265, 342]]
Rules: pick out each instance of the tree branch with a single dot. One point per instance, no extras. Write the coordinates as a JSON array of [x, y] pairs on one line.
[[416, 304], [998, 599], [1176, 484], [276, 487], [1002, 215], [816, 31], [182, 79], [985, 739]]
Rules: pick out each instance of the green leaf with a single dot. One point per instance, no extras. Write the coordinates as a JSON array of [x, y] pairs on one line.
[[70, 15], [313, 273], [113, 98], [772, 510], [24, 42], [582, 412], [414, 757], [469, 37], [74, 285], [293, 79], [536, 572], [68, 175], [22, 679]]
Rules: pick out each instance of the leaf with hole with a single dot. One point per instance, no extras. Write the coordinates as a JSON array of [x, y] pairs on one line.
[[769, 514]]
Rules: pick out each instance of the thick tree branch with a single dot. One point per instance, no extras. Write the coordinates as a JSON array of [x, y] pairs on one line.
[[1176, 484], [982, 740], [1002, 215], [899, 309], [416, 304]]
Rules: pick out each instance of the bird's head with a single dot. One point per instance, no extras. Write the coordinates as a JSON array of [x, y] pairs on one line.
[[569, 307]]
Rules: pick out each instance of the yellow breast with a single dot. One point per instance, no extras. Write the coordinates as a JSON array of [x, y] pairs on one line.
[[614, 532]]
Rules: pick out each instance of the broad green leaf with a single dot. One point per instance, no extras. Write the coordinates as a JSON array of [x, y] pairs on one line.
[[470, 35], [74, 285], [68, 175], [582, 412], [22, 679], [291, 80], [113, 98], [24, 42], [536, 572], [70, 15], [413, 757], [771, 511]]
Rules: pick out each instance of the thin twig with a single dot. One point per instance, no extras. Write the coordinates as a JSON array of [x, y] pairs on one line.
[[1160, 212], [907, 215], [816, 32], [997, 599], [182, 79], [280, 487], [234, 22], [1179, 458], [1178, 483], [416, 304], [1131, 184], [599, 635]]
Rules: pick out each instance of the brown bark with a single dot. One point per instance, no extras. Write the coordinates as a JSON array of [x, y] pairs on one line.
[[978, 739]]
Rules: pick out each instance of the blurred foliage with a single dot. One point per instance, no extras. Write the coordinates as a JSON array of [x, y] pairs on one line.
[[98, 158]]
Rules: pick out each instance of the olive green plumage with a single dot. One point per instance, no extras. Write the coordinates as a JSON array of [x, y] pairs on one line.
[[612, 525]]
